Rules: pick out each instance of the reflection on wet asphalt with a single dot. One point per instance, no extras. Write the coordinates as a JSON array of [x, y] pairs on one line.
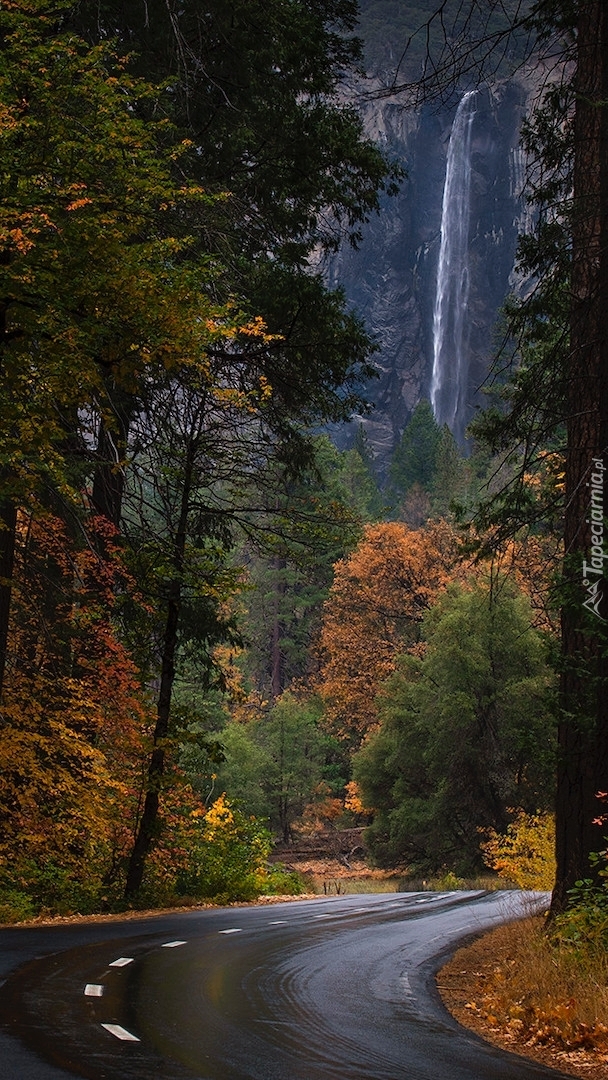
[[337, 988]]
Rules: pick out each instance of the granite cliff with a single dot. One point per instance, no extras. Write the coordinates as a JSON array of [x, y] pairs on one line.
[[392, 278]]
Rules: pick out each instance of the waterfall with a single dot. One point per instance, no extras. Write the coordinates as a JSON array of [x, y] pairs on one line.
[[450, 336]]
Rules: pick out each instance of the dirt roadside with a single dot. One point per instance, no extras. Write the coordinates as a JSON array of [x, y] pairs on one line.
[[461, 985]]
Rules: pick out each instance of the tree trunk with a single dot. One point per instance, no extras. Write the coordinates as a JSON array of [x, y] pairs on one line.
[[8, 527], [277, 664], [149, 819], [109, 476], [583, 727]]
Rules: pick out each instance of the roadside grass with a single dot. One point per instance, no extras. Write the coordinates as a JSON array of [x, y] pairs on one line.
[[537, 987], [449, 882], [383, 881], [339, 886]]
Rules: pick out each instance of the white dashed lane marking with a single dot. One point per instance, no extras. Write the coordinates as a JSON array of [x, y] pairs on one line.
[[93, 990], [232, 930], [122, 961], [278, 922], [120, 1033], [172, 944]]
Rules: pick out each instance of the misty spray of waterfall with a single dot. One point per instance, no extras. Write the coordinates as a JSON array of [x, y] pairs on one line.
[[450, 331]]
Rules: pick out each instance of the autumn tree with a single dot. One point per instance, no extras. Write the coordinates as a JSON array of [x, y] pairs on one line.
[[123, 255], [74, 721], [375, 607], [96, 288]]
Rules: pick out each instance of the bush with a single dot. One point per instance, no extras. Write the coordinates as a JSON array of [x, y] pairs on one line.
[[32, 888], [228, 860], [15, 906], [277, 881], [583, 927], [525, 854]]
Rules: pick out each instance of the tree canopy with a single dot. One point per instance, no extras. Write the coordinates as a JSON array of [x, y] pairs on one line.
[[466, 731], [164, 335]]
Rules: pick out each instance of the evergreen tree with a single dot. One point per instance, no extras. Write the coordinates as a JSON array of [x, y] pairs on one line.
[[558, 402], [450, 479], [317, 519], [465, 732], [561, 387], [415, 458]]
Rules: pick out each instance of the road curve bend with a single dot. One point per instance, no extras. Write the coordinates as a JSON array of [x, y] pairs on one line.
[[336, 988]]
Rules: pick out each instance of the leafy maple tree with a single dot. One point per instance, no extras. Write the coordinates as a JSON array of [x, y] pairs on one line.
[[375, 607], [96, 287]]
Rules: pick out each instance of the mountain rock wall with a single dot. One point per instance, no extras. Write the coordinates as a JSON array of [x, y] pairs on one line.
[[391, 279]]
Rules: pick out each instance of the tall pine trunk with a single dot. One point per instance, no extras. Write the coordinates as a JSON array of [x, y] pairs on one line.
[[583, 728], [8, 528], [148, 823], [277, 659]]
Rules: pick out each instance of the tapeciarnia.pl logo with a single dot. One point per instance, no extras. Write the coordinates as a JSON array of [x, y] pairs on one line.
[[593, 571]]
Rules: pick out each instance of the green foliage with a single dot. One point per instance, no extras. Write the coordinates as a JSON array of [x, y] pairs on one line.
[[274, 765], [94, 237], [290, 736], [15, 906], [278, 881], [350, 476], [465, 732], [43, 886], [415, 458], [580, 933], [317, 519], [245, 768], [228, 858], [451, 479]]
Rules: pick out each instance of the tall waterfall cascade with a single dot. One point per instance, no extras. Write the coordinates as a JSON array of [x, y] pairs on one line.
[[433, 269], [449, 383]]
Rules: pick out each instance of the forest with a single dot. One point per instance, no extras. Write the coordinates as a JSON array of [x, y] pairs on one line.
[[218, 632]]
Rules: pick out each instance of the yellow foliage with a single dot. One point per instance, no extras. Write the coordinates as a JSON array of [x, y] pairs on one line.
[[525, 854], [353, 800], [218, 817]]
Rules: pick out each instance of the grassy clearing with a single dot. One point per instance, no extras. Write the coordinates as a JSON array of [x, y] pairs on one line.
[[340, 886]]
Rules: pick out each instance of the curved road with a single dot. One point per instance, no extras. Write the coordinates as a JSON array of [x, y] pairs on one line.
[[337, 988]]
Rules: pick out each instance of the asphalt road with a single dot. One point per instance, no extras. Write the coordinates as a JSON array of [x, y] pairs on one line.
[[337, 988]]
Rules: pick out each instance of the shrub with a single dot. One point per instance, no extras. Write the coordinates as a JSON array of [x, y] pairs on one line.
[[228, 860], [525, 854]]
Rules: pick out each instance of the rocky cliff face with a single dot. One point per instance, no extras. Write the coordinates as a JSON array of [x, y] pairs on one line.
[[392, 278]]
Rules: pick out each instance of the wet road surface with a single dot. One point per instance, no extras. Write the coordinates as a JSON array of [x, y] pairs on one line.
[[337, 988]]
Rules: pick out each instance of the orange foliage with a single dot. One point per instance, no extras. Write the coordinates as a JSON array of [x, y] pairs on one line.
[[533, 563], [353, 800], [73, 714], [379, 596]]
